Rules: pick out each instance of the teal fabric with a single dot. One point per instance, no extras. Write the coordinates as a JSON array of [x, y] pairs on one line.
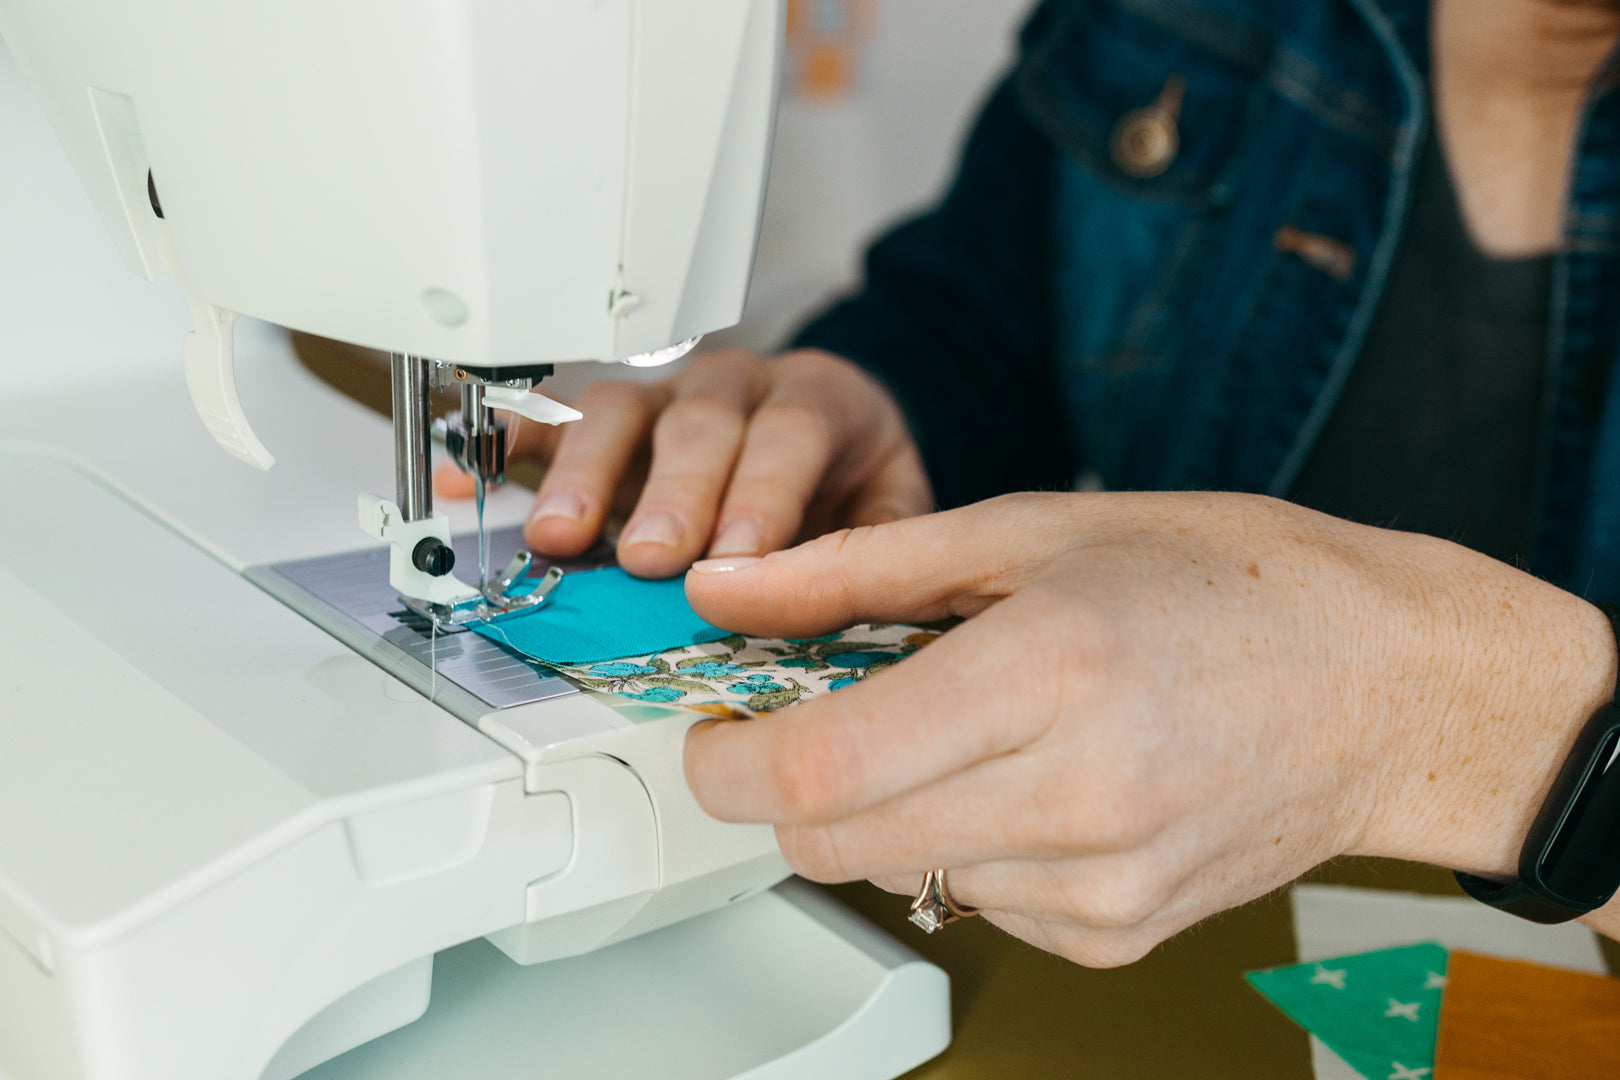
[[1380, 1011], [606, 614]]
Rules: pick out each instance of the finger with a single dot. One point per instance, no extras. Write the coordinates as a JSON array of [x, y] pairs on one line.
[[530, 440], [900, 490], [994, 811], [1104, 892], [1098, 930], [789, 446], [591, 456], [943, 709], [694, 446], [919, 569], [1095, 946], [815, 430], [1108, 911], [1088, 946], [451, 483]]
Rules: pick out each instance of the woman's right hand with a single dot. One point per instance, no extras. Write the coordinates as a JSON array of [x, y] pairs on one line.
[[736, 455]]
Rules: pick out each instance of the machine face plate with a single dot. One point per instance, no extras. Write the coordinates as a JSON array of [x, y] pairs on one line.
[[348, 595]]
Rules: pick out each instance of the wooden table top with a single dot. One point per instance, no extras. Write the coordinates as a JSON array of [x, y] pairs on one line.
[[1183, 1012]]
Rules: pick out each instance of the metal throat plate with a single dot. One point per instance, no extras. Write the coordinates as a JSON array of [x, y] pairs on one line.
[[348, 596]]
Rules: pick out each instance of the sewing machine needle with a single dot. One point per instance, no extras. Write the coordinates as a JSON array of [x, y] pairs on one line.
[[483, 536]]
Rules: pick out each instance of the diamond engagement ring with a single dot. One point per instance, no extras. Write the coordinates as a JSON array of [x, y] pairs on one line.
[[934, 907]]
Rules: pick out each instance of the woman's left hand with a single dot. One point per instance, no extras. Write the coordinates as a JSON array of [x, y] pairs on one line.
[[1160, 706]]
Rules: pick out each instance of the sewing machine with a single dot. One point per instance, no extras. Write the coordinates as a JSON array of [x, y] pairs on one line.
[[263, 812]]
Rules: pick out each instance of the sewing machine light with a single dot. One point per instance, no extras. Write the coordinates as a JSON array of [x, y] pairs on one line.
[[660, 357]]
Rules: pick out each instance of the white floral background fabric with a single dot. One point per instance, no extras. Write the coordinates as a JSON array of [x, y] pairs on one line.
[[740, 676]]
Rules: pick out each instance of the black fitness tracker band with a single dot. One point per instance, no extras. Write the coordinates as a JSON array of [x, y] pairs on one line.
[[1570, 863]]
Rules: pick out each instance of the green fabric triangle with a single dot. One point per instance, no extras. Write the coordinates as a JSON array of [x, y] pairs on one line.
[[1380, 1011]]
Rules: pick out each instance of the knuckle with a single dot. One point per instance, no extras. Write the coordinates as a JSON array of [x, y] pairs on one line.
[[831, 380], [797, 418], [611, 394], [1016, 503], [1090, 639], [891, 883], [834, 545], [836, 589], [1132, 816], [727, 362], [829, 550], [769, 503], [1112, 950], [685, 495], [696, 420], [817, 363], [812, 853], [811, 772], [1023, 510], [1115, 903]]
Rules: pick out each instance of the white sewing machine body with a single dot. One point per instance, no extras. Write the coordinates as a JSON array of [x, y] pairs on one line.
[[476, 188], [484, 183], [239, 815], [217, 819]]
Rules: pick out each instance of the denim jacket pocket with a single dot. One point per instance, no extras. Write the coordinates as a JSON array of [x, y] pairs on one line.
[[1135, 249], [1097, 72]]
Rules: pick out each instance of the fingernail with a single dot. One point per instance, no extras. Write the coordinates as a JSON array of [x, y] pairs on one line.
[[741, 537], [561, 504], [724, 566], [653, 529]]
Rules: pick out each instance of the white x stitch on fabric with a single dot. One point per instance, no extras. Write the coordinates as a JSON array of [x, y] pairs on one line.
[[1407, 1010], [1326, 976]]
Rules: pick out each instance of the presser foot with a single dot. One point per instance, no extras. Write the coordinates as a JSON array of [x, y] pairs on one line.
[[442, 617], [495, 599], [498, 597]]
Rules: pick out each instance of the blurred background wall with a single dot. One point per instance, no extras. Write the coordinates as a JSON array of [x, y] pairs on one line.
[[878, 96]]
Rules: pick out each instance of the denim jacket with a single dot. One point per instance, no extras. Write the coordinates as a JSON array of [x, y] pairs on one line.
[[1060, 313]]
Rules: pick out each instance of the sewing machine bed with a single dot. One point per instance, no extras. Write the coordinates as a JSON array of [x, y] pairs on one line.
[[348, 595]]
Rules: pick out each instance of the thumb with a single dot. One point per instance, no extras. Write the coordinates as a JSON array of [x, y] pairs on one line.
[[916, 570]]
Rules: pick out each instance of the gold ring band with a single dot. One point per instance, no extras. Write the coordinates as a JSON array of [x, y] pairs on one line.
[[934, 907]]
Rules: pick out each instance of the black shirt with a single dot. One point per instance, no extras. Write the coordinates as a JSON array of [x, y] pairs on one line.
[[1435, 430]]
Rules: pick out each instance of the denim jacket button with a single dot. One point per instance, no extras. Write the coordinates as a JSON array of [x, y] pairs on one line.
[[1145, 141]]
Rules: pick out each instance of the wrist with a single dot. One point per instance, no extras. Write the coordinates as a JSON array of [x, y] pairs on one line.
[[1605, 920], [1529, 665]]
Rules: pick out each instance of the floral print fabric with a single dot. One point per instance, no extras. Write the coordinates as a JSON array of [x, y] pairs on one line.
[[740, 676]]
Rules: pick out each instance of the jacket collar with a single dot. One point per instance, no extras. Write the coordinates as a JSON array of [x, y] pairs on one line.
[[1409, 19]]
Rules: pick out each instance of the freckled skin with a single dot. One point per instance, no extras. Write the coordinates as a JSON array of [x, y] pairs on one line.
[[1393, 705]]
